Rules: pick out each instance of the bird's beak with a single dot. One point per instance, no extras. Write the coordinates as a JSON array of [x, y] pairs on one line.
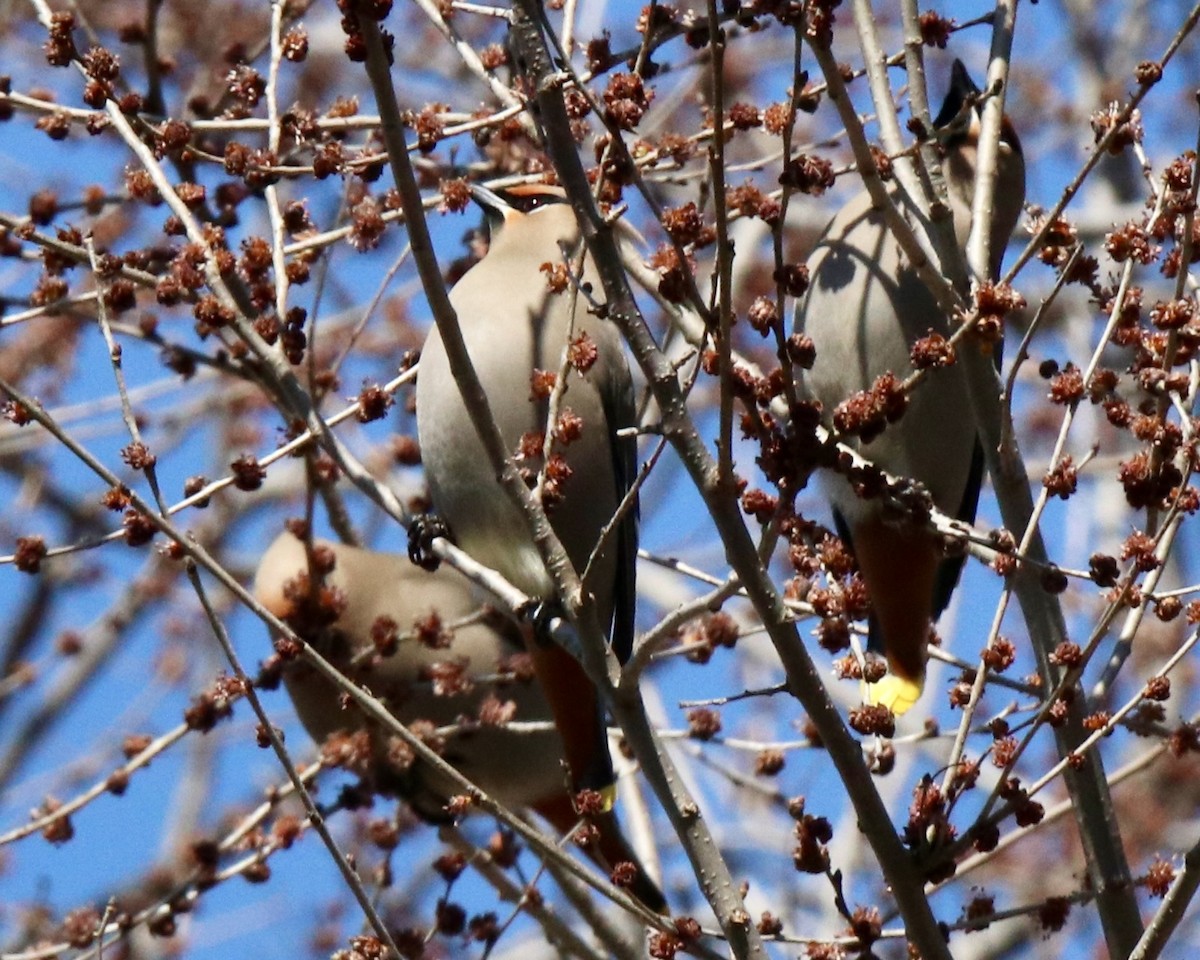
[[488, 199], [495, 208]]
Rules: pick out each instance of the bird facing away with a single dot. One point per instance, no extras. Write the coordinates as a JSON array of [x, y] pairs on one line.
[[865, 308], [368, 591]]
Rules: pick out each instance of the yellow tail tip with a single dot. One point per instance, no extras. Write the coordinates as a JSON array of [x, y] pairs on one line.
[[896, 693], [608, 797]]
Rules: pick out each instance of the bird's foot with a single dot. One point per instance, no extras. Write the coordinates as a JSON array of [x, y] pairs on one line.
[[424, 530], [551, 628], [541, 616]]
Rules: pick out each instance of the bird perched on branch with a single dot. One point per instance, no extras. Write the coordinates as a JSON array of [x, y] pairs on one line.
[[865, 309], [353, 596], [541, 353], [435, 653]]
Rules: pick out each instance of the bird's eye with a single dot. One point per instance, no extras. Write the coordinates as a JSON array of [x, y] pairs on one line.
[[536, 201], [529, 199]]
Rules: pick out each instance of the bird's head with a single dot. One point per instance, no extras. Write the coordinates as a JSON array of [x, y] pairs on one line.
[[536, 219], [957, 127], [958, 122], [520, 206]]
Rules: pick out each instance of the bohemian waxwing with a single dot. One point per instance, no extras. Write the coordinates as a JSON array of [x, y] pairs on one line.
[[370, 590], [517, 324], [864, 310]]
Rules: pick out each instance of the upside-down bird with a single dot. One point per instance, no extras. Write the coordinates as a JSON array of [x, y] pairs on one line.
[[864, 310], [451, 662], [522, 310]]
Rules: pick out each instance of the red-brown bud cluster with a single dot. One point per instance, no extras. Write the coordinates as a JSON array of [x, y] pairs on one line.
[[808, 174], [867, 413], [813, 833]]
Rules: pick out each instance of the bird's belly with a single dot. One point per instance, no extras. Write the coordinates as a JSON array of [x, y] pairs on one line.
[[483, 520], [863, 313], [517, 768]]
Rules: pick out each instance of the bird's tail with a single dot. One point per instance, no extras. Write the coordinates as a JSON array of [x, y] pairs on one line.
[[899, 566], [896, 692], [609, 851]]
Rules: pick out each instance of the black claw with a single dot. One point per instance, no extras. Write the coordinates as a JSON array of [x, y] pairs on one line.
[[550, 626], [541, 615], [421, 534]]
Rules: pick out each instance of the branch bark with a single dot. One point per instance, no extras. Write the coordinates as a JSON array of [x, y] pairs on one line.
[[804, 679]]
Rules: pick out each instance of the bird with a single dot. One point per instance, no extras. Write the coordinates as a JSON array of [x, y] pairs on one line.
[[362, 592], [864, 310], [520, 313]]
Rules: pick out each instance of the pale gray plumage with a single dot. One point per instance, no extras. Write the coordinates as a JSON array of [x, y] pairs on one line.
[[513, 323], [864, 310], [518, 769]]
